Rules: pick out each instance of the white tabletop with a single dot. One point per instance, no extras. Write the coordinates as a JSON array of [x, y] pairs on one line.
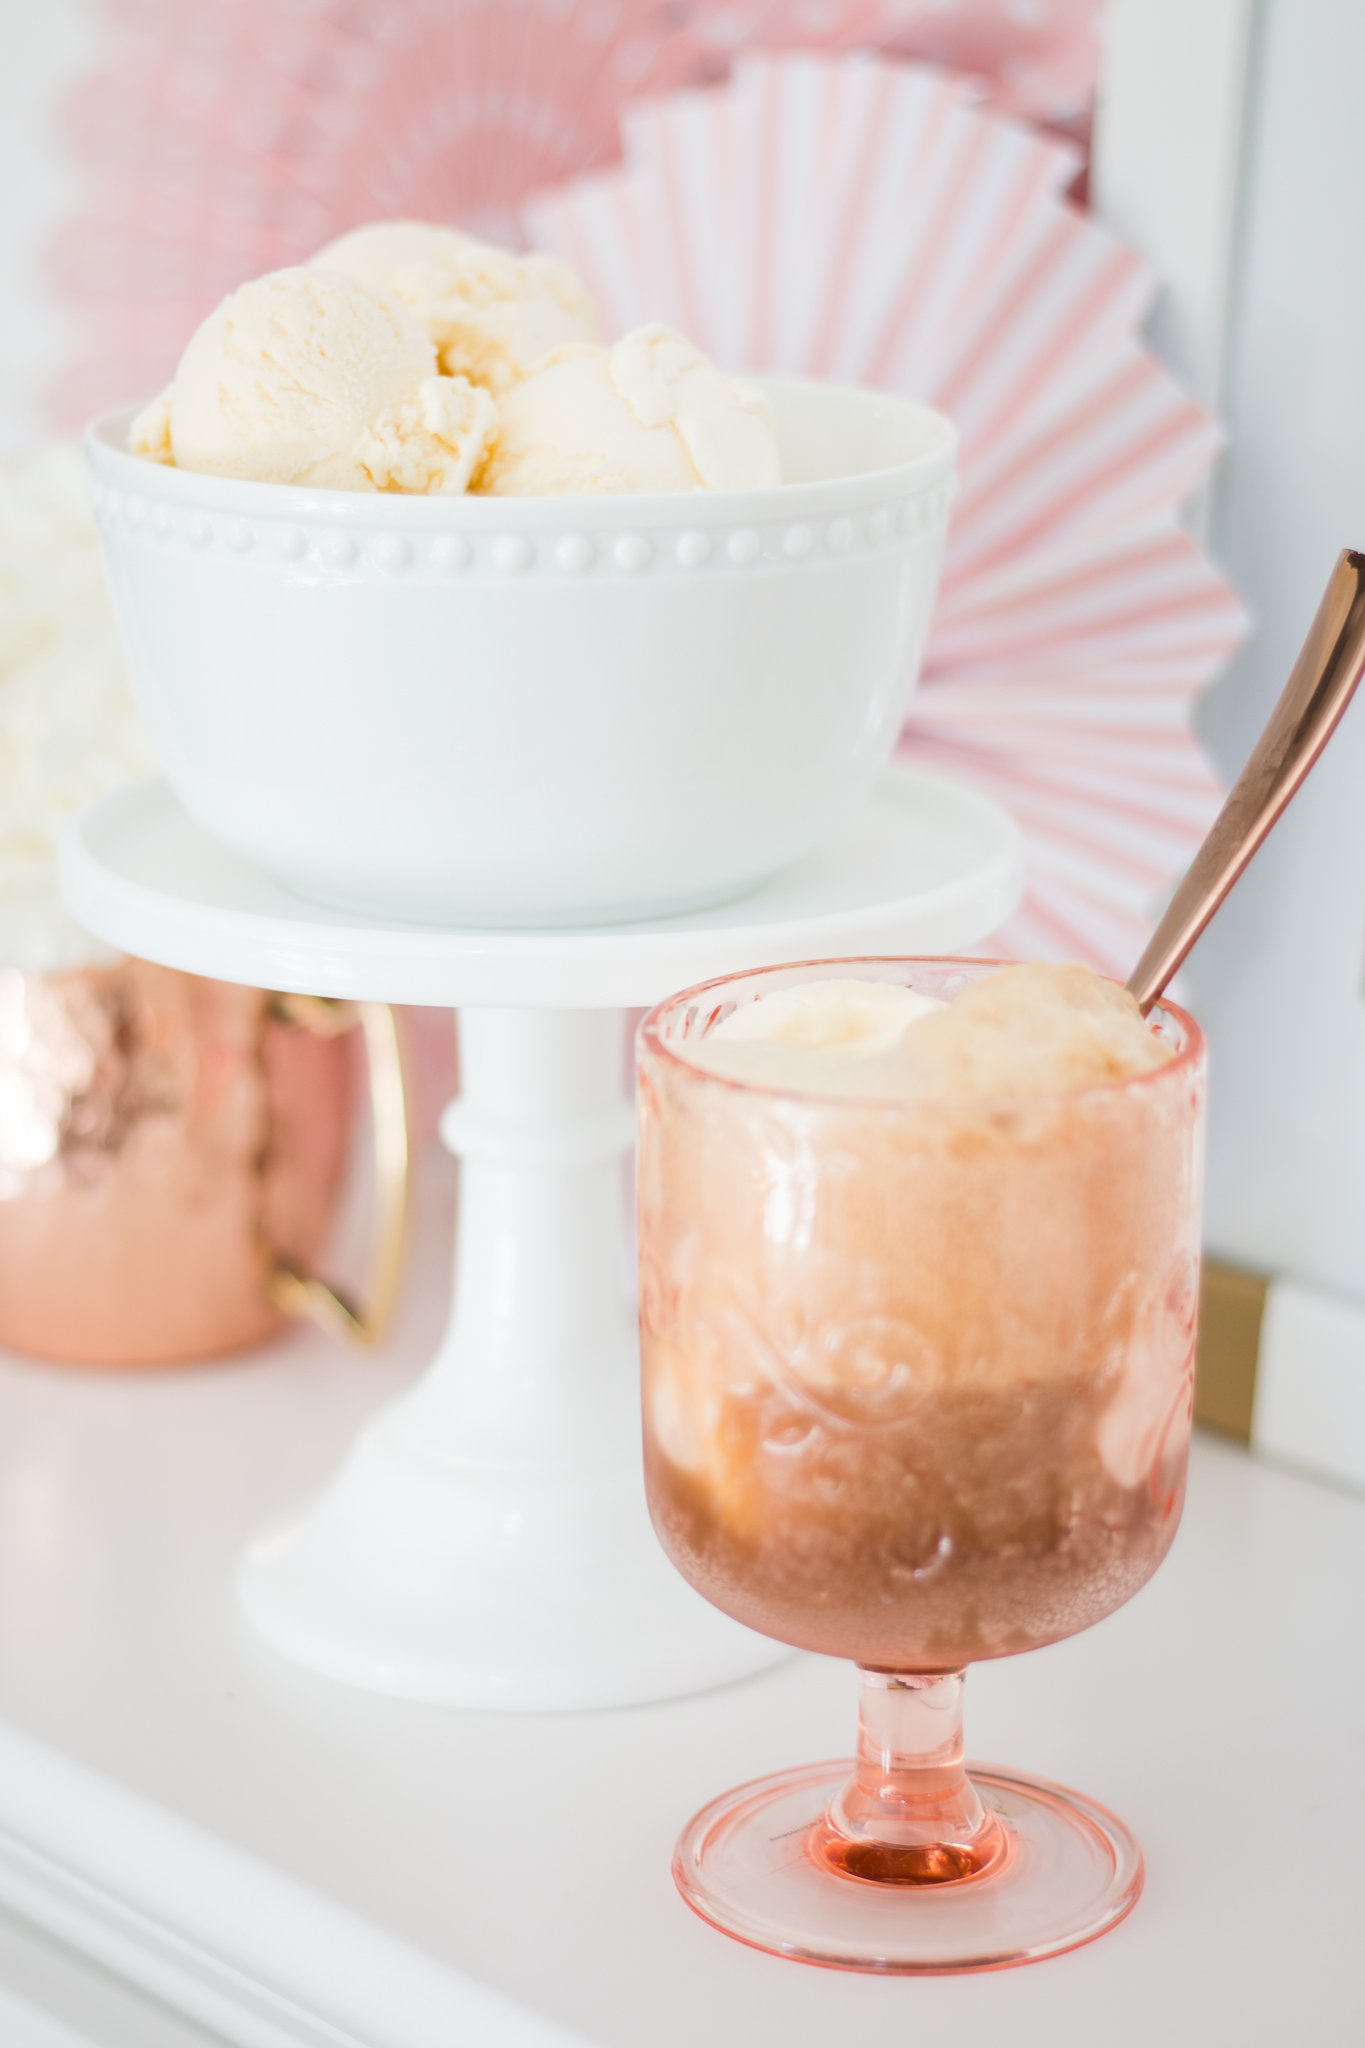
[[298, 1863], [926, 866], [53, 1997]]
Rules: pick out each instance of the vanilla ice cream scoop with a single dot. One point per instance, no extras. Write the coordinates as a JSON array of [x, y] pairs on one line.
[[307, 377], [855, 1018], [491, 315], [1018, 1032], [1031, 1030], [824, 1037], [650, 413]]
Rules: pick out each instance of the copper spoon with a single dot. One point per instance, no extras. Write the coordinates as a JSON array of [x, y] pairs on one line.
[[1322, 684]]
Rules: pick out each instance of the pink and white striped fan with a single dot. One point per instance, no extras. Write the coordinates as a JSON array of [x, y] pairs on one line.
[[213, 141], [867, 221], [1035, 58]]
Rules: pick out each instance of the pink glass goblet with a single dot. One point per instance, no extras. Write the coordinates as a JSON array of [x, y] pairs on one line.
[[917, 1391]]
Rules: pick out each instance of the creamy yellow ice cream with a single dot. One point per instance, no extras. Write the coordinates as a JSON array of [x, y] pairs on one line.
[[307, 377], [650, 413], [1031, 1030], [407, 357], [492, 315], [1020, 1032]]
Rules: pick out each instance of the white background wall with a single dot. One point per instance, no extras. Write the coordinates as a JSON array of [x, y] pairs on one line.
[[1230, 148], [1280, 979], [43, 43]]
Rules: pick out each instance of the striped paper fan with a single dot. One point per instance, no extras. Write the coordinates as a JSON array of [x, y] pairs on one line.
[[212, 141], [867, 221], [1036, 58]]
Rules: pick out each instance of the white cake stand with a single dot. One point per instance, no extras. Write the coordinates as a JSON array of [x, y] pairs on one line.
[[486, 1543]]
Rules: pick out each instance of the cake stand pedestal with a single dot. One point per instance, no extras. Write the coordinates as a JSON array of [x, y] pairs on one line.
[[486, 1543]]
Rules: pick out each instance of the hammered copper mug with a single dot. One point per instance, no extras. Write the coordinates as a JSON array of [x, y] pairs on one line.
[[171, 1156]]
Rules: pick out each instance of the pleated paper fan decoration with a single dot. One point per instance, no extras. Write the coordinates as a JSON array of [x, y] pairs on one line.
[[1037, 58], [212, 140], [866, 221]]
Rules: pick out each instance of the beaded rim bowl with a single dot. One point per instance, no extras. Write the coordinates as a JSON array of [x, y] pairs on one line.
[[533, 710]]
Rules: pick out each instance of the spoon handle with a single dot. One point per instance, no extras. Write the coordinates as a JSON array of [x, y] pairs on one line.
[[1321, 686]]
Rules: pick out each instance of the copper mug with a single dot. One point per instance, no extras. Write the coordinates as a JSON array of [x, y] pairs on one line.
[[171, 1156]]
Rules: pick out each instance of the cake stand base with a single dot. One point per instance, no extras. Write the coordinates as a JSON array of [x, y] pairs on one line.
[[521, 1591], [486, 1542]]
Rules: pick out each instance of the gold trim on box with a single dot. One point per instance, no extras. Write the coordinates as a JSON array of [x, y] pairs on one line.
[[1231, 1306]]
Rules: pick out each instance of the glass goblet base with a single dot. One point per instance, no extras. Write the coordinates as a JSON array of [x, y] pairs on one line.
[[757, 1864]]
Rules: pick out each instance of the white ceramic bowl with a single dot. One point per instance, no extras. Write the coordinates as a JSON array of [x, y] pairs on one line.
[[533, 710]]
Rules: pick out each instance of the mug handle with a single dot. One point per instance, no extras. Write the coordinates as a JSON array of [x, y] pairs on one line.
[[304, 1294]]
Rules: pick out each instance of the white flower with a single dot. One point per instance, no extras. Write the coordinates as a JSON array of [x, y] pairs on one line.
[[68, 730]]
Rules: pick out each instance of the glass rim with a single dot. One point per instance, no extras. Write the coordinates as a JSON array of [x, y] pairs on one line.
[[1189, 1055]]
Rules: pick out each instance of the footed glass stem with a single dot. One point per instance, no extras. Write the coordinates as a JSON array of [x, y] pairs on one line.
[[909, 1815], [912, 1863]]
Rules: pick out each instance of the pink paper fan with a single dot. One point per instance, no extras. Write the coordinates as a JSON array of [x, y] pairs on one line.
[[867, 221], [216, 141], [1037, 58]]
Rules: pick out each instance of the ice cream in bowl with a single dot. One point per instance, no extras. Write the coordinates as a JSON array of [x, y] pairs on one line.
[[440, 608]]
